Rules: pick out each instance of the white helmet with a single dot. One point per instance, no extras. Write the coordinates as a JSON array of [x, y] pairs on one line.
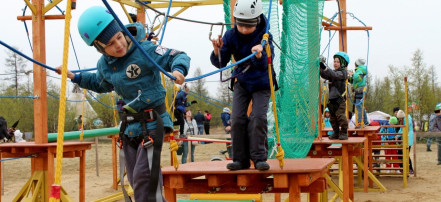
[[247, 9]]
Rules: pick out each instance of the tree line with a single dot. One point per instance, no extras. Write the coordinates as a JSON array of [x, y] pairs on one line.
[[383, 94]]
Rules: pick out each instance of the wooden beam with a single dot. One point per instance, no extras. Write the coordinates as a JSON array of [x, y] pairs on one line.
[[46, 17], [49, 6], [31, 7], [428, 134], [174, 15], [347, 28]]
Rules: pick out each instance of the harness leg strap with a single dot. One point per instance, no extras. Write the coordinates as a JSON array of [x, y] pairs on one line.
[[156, 161]]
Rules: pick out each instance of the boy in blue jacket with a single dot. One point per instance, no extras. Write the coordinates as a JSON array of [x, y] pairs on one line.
[[249, 133], [124, 69]]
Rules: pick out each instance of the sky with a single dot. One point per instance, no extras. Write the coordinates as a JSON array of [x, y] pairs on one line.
[[399, 29]]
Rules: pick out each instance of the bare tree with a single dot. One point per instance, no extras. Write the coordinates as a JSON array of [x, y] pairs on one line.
[[17, 66]]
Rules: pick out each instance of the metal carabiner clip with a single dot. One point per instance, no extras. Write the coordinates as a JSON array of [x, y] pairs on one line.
[[211, 30]]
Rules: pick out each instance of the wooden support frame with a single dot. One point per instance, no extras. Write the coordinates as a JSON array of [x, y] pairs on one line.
[[298, 175], [43, 178]]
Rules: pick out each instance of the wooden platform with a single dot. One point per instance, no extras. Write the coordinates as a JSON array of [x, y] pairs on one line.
[[43, 162], [298, 175]]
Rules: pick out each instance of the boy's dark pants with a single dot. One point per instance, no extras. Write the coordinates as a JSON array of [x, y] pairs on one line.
[[179, 121], [339, 122], [249, 134], [138, 162]]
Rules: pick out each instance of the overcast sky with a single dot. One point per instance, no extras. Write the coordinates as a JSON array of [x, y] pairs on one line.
[[400, 27]]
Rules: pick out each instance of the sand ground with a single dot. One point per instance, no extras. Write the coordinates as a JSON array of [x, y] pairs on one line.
[[425, 187]]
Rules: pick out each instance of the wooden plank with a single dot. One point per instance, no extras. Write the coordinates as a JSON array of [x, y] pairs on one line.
[[294, 188], [247, 180], [219, 167], [83, 176], [281, 181], [219, 180]]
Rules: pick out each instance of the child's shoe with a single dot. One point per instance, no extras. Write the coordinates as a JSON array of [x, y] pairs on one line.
[[262, 165], [343, 136], [334, 136]]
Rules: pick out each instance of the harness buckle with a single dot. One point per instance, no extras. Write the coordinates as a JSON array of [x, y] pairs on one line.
[[150, 111], [147, 144], [119, 143]]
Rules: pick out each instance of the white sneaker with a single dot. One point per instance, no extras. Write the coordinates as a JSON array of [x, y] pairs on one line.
[[397, 171], [387, 171]]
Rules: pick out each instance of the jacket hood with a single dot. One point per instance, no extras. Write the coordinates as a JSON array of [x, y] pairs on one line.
[[363, 69]]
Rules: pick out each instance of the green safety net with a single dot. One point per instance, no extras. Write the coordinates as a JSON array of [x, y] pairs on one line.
[[298, 77], [296, 48]]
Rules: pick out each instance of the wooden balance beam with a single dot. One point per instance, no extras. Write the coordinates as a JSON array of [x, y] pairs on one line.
[[298, 175]]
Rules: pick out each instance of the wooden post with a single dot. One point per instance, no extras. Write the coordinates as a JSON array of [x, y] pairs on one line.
[[39, 54], [96, 157], [343, 33]]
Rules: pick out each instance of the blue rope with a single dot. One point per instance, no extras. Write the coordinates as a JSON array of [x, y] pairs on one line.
[[31, 97], [156, 64], [350, 97], [206, 101], [100, 101], [39, 63], [26, 28], [87, 100], [165, 23], [191, 92], [8, 159]]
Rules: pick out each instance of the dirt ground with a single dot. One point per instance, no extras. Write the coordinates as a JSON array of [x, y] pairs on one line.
[[425, 187]]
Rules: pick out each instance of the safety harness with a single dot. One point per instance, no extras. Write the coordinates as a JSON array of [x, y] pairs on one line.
[[146, 141]]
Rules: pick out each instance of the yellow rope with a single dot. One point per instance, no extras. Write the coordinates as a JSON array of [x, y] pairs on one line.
[[166, 95], [173, 148], [114, 110], [82, 115], [62, 108], [280, 153], [173, 144]]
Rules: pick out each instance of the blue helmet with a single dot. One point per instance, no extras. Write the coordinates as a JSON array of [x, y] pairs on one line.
[[92, 22], [326, 110], [344, 56]]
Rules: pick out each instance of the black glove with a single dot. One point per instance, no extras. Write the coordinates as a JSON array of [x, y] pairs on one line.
[[322, 66], [322, 62], [194, 102]]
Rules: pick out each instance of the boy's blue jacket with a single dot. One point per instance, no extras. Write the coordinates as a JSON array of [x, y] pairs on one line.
[[181, 101], [239, 45], [133, 74], [225, 119]]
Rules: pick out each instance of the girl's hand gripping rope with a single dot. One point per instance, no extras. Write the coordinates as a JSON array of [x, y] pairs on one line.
[[70, 75]]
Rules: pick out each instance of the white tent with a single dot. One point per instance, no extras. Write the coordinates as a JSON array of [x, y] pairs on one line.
[[378, 115], [77, 107]]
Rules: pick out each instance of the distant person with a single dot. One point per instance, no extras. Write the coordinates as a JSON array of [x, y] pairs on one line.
[[199, 117], [392, 121], [327, 121], [180, 104], [358, 80], [207, 118], [249, 133], [226, 121], [395, 111], [337, 94], [430, 139], [437, 128], [402, 120], [3, 129], [190, 129]]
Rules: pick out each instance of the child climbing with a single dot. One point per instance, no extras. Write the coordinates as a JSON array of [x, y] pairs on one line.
[[123, 68], [249, 133], [337, 94]]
